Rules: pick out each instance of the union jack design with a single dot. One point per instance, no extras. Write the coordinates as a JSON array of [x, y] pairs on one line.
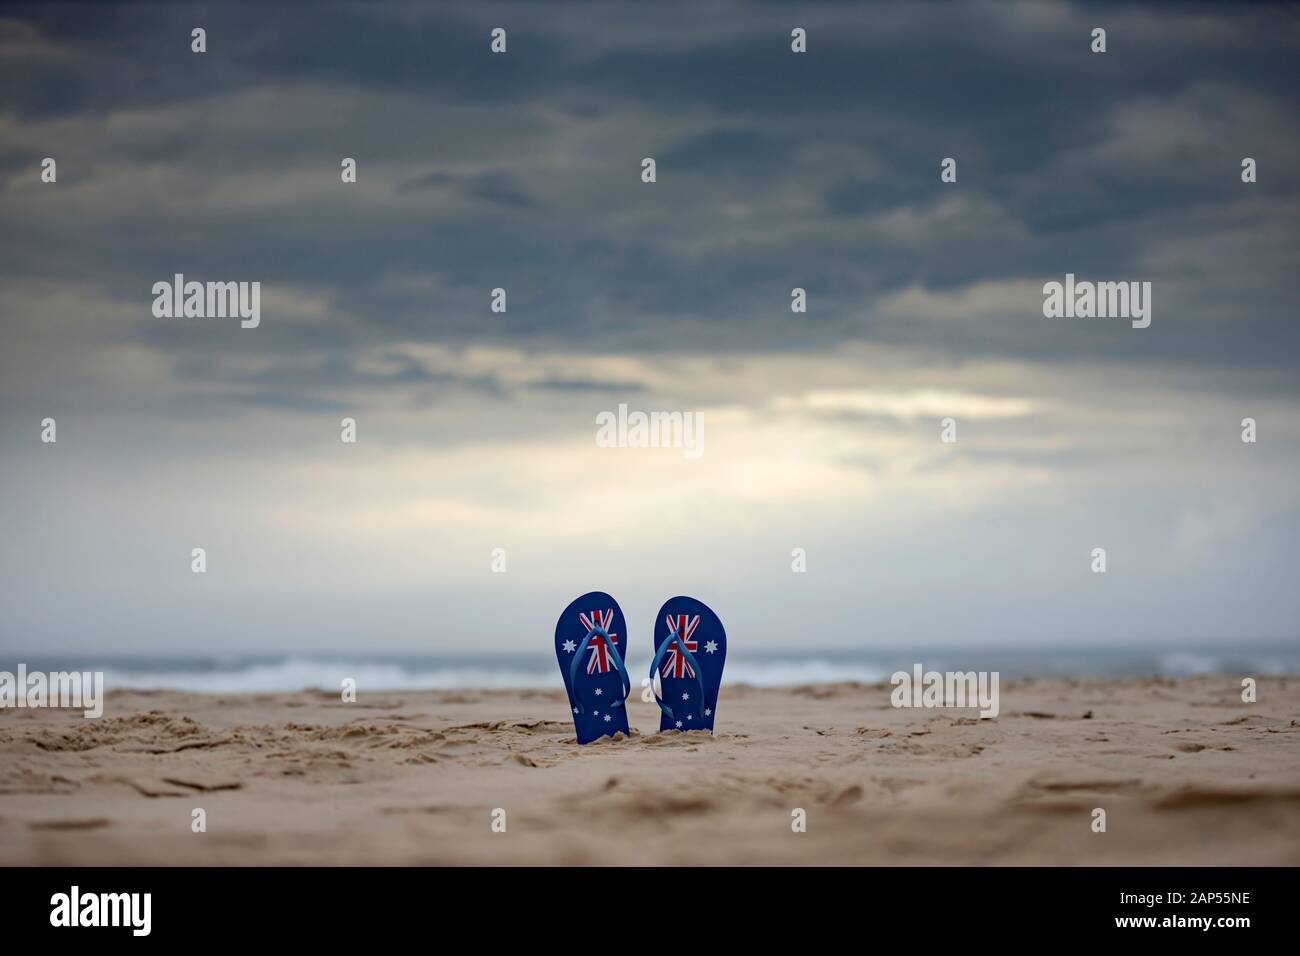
[[600, 662], [675, 663]]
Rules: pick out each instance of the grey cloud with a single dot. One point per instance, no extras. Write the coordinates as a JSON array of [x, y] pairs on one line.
[[758, 192], [586, 385]]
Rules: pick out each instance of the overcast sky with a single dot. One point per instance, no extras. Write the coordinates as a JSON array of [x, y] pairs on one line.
[[476, 430]]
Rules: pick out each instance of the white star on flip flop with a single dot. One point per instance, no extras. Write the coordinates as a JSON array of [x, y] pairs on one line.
[[575, 710], [570, 647], [686, 696], [708, 711], [607, 718], [679, 724], [688, 716], [710, 646], [599, 691]]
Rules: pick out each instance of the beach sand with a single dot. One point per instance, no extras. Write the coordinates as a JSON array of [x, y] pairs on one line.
[[1186, 772]]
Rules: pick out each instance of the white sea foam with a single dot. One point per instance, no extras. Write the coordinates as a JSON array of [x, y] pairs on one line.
[[780, 673], [295, 673]]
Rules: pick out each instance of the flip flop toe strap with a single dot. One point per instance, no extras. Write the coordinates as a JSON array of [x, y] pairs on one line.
[[575, 699], [691, 662]]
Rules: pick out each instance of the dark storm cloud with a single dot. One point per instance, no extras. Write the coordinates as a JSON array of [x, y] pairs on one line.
[[497, 188], [775, 170]]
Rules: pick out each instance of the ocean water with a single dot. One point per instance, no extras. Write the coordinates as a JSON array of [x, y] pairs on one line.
[[288, 673]]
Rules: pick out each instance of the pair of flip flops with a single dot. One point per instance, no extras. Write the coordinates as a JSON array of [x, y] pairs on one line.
[[690, 648]]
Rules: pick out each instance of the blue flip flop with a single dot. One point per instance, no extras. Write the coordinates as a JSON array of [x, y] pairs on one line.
[[690, 649], [587, 639]]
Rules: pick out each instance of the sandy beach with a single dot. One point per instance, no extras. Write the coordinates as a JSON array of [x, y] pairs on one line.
[[1186, 772]]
